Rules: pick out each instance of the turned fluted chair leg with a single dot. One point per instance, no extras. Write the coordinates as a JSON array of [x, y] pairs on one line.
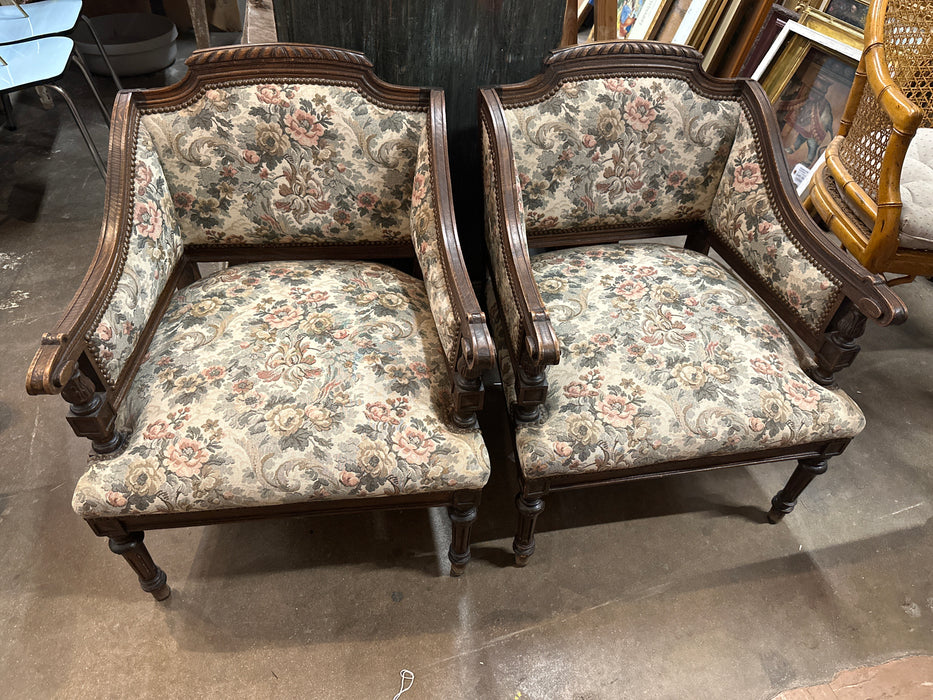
[[529, 508], [151, 578], [785, 499], [461, 517]]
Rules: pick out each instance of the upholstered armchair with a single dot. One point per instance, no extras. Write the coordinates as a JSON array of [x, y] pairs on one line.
[[624, 360], [310, 374], [875, 191]]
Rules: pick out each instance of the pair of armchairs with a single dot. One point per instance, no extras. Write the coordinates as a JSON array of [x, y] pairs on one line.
[[336, 363]]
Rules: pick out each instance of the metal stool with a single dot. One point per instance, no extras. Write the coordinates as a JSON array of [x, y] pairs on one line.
[[40, 62], [47, 18]]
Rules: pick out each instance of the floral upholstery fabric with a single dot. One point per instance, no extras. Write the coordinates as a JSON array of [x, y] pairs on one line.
[[619, 151], [274, 383], [288, 163], [154, 247], [665, 356], [425, 231], [743, 216]]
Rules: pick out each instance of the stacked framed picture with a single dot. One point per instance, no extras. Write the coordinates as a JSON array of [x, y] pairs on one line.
[[807, 75], [851, 13], [691, 22], [639, 19]]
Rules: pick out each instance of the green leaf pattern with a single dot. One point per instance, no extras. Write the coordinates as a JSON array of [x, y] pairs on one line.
[[286, 382], [666, 356]]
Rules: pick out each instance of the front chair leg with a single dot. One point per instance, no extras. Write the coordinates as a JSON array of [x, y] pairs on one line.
[[785, 499], [151, 578], [461, 517], [529, 508]]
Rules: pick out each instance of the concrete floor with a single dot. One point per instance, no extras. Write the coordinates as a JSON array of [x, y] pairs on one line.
[[673, 588]]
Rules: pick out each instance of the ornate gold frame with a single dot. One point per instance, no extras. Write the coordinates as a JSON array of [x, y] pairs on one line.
[[792, 54], [832, 27], [824, 6]]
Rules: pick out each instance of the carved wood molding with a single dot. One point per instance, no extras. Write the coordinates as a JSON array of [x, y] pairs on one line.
[[57, 357], [276, 63], [475, 352], [107, 527], [622, 48], [540, 346], [815, 450], [614, 59], [276, 52]]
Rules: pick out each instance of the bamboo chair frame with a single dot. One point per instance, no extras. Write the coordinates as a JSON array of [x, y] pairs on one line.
[[882, 116]]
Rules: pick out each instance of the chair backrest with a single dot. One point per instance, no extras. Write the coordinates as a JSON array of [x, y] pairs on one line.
[[308, 160], [620, 140], [908, 48], [618, 151], [891, 98], [303, 152]]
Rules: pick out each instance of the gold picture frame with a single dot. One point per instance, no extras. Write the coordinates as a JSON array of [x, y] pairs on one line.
[[833, 27], [706, 25], [852, 13], [807, 77], [791, 48]]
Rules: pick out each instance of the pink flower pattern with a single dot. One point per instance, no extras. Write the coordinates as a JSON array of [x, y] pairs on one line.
[[270, 412], [148, 220], [639, 113], [614, 405], [638, 161], [304, 127]]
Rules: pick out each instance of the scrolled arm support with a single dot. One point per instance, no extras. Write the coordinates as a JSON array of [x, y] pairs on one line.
[[868, 292], [533, 342], [473, 359], [460, 321]]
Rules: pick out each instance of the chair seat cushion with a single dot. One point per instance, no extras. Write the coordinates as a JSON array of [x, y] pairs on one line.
[[274, 383], [665, 356], [917, 193]]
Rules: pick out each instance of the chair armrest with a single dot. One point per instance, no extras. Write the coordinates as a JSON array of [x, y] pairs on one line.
[[885, 111], [533, 344], [904, 114], [111, 318], [790, 256], [461, 323]]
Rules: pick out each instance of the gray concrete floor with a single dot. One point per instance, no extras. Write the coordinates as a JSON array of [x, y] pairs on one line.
[[672, 588]]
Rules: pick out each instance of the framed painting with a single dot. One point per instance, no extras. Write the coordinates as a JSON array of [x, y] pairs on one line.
[[807, 77], [640, 19], [778, 16], [833, 27], [699, 22], [851, 12]]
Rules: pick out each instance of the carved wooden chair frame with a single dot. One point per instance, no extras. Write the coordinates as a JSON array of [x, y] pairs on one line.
[[862, 295], [64, 365]]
